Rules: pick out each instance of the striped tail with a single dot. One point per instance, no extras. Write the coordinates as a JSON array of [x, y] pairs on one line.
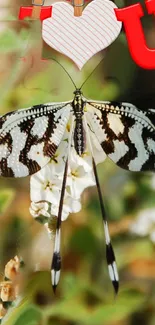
[[56, 261], [110, 256]]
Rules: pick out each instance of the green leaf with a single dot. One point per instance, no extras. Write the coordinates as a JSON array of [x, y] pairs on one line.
[[75, 310], [11, 41], [25, 314], [6, 197], [31, 315], [83, 241]]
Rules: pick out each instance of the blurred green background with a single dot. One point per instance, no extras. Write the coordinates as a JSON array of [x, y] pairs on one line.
[[85, 294]]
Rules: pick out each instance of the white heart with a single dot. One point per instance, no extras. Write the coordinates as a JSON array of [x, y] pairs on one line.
[[81, 37]]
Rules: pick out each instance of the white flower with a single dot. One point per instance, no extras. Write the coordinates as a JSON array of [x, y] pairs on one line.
[[80, 173], [39, 209], [70, 205], [44, 186], [78, 180], [144, 224]]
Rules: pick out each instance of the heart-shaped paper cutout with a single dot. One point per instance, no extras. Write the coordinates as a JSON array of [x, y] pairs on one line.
[[81, 37]]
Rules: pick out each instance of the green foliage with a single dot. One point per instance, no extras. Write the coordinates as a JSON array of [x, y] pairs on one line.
[[25, 315], [83, 241], [11, 41], [73, 306], [76, 310], [6, 197]]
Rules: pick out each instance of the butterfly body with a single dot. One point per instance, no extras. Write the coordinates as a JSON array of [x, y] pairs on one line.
[[78, 105]]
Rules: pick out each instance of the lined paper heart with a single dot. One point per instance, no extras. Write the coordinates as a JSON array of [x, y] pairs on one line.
[[81, 37]]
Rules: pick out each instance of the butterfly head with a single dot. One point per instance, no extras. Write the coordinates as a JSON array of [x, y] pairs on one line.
[[77, 92]]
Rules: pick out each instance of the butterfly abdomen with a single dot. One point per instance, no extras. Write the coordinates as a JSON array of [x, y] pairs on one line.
[[79, 134], [79, 137]]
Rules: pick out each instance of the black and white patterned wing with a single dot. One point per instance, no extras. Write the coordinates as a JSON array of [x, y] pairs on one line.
[[30, 137], [126, 134]]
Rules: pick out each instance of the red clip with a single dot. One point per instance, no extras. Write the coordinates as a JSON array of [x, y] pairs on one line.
[[46, 12]]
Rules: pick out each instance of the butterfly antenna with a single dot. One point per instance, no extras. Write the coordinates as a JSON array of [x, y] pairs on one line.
[[110, 257], [56, 262], [65, 71], [91, 74]]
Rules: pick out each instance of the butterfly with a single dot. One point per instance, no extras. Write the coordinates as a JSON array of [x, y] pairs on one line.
[[30, 137]]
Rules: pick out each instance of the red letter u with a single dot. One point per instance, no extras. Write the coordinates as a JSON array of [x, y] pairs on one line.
[[130, 16]]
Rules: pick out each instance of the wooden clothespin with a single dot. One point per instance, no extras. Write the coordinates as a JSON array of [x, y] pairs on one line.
[[78, 7], [37, 4], [37, 11]]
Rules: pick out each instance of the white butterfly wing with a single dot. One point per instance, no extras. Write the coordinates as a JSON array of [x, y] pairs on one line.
[[30, 137], [126, 134]]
